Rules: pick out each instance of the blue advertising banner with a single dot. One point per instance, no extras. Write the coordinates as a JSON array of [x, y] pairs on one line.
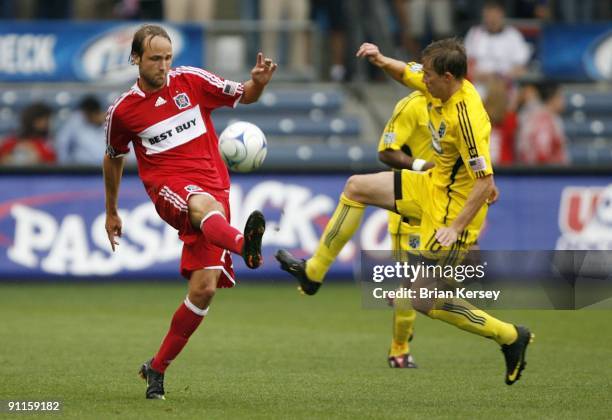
[[84, 52], [577, 52], [53, 226]]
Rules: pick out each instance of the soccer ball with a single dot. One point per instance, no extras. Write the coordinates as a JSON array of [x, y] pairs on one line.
[[243, 146]]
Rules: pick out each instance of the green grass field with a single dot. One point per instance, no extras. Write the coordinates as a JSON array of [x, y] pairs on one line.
[[267, 352]]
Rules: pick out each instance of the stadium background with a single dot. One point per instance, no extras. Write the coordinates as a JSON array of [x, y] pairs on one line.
[[321, 127]]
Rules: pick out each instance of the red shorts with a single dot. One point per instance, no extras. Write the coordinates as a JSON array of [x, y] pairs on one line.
[[170, 198]]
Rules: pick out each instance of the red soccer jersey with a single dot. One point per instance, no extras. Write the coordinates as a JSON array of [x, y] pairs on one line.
[[171, 129]]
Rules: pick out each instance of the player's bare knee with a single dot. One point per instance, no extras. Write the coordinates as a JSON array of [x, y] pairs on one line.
[[201, 295], [352, 188], [200, 206]]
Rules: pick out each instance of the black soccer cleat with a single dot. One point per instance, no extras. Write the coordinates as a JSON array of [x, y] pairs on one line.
[[253, 232], [515, 354], [404, 361], [154, 380], [297, 268]]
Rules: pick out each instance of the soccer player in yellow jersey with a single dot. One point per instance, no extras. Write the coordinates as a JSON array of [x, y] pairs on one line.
[[405, 144], [452, 195]]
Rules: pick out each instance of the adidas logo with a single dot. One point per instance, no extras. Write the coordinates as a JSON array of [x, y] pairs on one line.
[[160, 101]]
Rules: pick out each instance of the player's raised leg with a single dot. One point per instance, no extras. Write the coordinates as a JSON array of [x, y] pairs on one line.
[[359, 192], [186, 319], [208, 215]]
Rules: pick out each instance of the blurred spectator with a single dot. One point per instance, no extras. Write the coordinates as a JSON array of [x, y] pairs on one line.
[[503, 123], [532, 9], [82, 140], [189, 10], [576, 11], [273, 12], [53, 9], [541, 138], [430, 15], [140, 9], [330, 15], [93, 9], [369, 21], [494, 48], [408, 44], [31, 144]]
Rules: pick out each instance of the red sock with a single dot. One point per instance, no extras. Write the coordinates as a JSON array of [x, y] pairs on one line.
[[220, 233], [184, 323]]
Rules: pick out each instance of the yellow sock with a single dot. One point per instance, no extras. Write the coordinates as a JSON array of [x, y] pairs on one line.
[[403, 326], [339, 230], [466, 316]]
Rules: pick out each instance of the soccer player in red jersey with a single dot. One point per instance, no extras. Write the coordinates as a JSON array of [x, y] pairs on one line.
[[166, 117]]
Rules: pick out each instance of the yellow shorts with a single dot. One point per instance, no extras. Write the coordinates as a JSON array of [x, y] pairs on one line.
[[415, 190]]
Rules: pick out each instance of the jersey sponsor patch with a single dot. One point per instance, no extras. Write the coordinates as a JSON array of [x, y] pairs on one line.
[[230, 87], [182, 101], [389, 139], [478, 163], [173, 132]]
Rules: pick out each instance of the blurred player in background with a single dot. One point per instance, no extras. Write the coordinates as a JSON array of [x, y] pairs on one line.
[[453, 194], [405, 144], [166, 116]]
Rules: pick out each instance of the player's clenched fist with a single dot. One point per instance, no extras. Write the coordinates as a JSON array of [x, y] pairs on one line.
[[113, 229], [263, 70]]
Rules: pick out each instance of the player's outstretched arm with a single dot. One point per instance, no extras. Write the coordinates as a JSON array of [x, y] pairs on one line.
[[112, 170], [394, 68], [482, 190], [261, 75]]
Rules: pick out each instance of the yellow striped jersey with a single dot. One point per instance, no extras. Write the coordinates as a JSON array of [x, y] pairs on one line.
[[460, 130]]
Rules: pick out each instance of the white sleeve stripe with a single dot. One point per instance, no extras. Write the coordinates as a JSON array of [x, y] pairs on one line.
[[209, 77], [109, 115], [204, 73], [213, 81]]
